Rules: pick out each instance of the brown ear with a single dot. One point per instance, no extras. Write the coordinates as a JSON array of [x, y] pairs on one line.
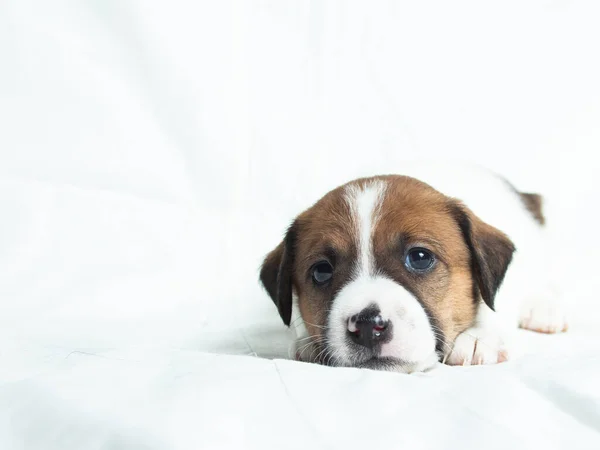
[[276, 274], [491, 252]]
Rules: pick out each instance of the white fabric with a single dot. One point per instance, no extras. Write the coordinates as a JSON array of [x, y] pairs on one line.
[[152, 152]]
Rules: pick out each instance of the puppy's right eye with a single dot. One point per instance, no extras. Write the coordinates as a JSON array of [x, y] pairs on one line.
[[322, 273], [419, 260]]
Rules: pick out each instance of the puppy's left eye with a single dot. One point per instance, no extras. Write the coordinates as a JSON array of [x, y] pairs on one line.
[[419, 259], [322, 273]]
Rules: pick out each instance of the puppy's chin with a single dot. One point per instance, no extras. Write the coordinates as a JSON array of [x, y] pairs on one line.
[[398, 365], [391, 363], [310, 350]]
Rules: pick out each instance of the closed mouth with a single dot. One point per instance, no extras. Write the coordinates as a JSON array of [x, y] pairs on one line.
[[382, 363], [388, 363]]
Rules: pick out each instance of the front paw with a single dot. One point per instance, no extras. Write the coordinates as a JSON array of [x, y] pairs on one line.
[[477, 346]]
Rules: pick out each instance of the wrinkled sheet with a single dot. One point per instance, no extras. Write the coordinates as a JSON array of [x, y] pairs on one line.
[[152, 152]]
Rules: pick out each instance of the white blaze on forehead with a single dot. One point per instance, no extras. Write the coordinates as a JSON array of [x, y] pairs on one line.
[[365, 205]]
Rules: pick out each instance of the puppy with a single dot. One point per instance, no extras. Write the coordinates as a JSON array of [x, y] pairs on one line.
[[401, 272]]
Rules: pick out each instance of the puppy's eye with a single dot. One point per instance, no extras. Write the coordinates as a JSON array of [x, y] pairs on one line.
[[322, 273], [419, 259]]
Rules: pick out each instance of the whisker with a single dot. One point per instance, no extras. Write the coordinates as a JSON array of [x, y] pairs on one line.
[[324, 350], [309, 337], [479, 340], [316, 349], [300, 351], [322, 327], [312, 340], [336, 356], [296, 320]]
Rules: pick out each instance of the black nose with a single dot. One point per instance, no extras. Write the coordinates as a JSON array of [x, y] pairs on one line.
[[368, 328]]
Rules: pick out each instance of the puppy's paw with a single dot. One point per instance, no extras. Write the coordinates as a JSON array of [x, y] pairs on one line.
[[543, 317], [477, 346]]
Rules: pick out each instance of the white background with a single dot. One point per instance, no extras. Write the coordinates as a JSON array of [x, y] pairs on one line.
[[152, 152]]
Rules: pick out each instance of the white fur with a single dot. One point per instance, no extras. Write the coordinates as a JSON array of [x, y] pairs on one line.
[[543, 313]]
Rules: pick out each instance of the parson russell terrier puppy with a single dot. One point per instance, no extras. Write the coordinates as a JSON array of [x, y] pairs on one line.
[[391, 273]]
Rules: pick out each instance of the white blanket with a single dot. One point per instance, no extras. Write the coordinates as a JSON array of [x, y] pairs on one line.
[[152, 152]]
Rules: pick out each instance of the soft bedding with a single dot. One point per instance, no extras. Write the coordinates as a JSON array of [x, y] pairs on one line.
[[152, 152]]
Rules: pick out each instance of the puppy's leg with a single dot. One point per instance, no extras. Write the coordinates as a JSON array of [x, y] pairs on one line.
[[543, 313], [541, 307], [483, 343]]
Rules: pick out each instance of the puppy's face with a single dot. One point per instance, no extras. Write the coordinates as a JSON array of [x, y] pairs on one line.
[[387, 272]]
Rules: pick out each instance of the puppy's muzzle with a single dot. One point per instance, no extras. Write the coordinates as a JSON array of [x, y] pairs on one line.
[[368, 328]]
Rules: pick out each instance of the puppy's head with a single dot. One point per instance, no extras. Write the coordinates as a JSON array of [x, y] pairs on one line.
[[387, 272]]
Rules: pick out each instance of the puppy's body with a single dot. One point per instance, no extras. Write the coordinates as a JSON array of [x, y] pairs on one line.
[[377, 307]]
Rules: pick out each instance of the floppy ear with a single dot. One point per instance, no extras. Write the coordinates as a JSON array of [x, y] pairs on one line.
[[491, 252], [276, 274]]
